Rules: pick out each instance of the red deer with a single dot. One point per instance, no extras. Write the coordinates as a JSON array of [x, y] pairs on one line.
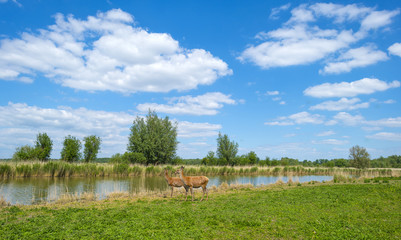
[[194, 182], [174, 182]]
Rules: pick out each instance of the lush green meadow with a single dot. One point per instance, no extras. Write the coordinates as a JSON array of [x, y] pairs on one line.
[[342, 211]]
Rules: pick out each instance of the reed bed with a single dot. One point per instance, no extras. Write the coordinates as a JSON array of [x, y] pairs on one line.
[[65, 169], [4, 202]]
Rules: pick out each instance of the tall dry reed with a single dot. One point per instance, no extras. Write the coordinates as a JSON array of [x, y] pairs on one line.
[[64, 169]]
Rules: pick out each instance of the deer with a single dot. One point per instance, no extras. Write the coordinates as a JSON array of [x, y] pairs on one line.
[[174, 182], [194, 182]]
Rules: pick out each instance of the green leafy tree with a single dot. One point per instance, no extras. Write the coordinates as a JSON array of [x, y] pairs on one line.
[[341, 162], [154, 137], [253, 158], [92, 146], [43, 146], [359, 157], [274, 162], [241, 160], [134, 157], [210, 159], [265, 162], [24, 153], [71, 149], [307, 163], [226, 150], [118, 158]]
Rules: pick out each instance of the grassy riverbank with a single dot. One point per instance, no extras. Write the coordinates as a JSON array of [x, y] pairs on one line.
[[64, 169], [345, 211]]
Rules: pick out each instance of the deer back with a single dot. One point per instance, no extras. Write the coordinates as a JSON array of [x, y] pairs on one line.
[[192, 181], [176, 182], [198, 181]]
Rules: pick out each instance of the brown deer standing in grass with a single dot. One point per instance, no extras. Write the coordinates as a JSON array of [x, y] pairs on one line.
[[194, 182], [174, 182]]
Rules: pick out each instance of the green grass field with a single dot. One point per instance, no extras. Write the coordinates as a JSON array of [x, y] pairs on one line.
[[335, 211]]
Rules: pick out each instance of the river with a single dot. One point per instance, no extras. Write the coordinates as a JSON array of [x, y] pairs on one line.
[[33, 190]]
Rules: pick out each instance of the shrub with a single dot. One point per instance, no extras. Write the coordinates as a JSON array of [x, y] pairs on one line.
[[134, 157], [118, 158], [25, 153]]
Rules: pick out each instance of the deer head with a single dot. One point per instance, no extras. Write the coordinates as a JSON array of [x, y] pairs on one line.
[[180, 169]]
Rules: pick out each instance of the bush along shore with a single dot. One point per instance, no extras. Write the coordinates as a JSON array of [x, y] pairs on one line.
[[65, 169]]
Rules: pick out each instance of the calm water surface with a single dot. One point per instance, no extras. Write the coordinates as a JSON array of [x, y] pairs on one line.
[[33, 190]]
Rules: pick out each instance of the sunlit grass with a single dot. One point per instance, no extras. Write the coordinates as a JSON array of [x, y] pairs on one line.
[[322, 211]]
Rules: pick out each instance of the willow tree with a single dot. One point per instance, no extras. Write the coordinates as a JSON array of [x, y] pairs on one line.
[[154, 137], [359, 157]]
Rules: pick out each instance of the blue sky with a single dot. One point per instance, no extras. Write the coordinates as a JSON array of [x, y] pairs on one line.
[[301, 79]]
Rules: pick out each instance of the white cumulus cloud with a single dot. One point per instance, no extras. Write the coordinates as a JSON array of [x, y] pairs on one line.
[[326, 133], [341, 13], [377, 19], [190, 130], [276, 11], [306, 38], [272, 93], [385, 122], [296, 46], [388, 136], [108, 52], [348, 119], [359, 120], [350, 89], [297, 118], [207, 104], [342, 118], [331, 142], [341, 105], [395, 49], [359, 57]]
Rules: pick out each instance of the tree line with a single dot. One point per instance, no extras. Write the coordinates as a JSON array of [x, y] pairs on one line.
[[71, 151], [153, 140]]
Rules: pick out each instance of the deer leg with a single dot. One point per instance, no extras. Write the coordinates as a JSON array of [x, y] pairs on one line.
[[186, 193], [203, 190], [207, 194], [172, 189], [192, 193]]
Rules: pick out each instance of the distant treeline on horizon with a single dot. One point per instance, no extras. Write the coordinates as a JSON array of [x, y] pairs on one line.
[[393, 161]]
